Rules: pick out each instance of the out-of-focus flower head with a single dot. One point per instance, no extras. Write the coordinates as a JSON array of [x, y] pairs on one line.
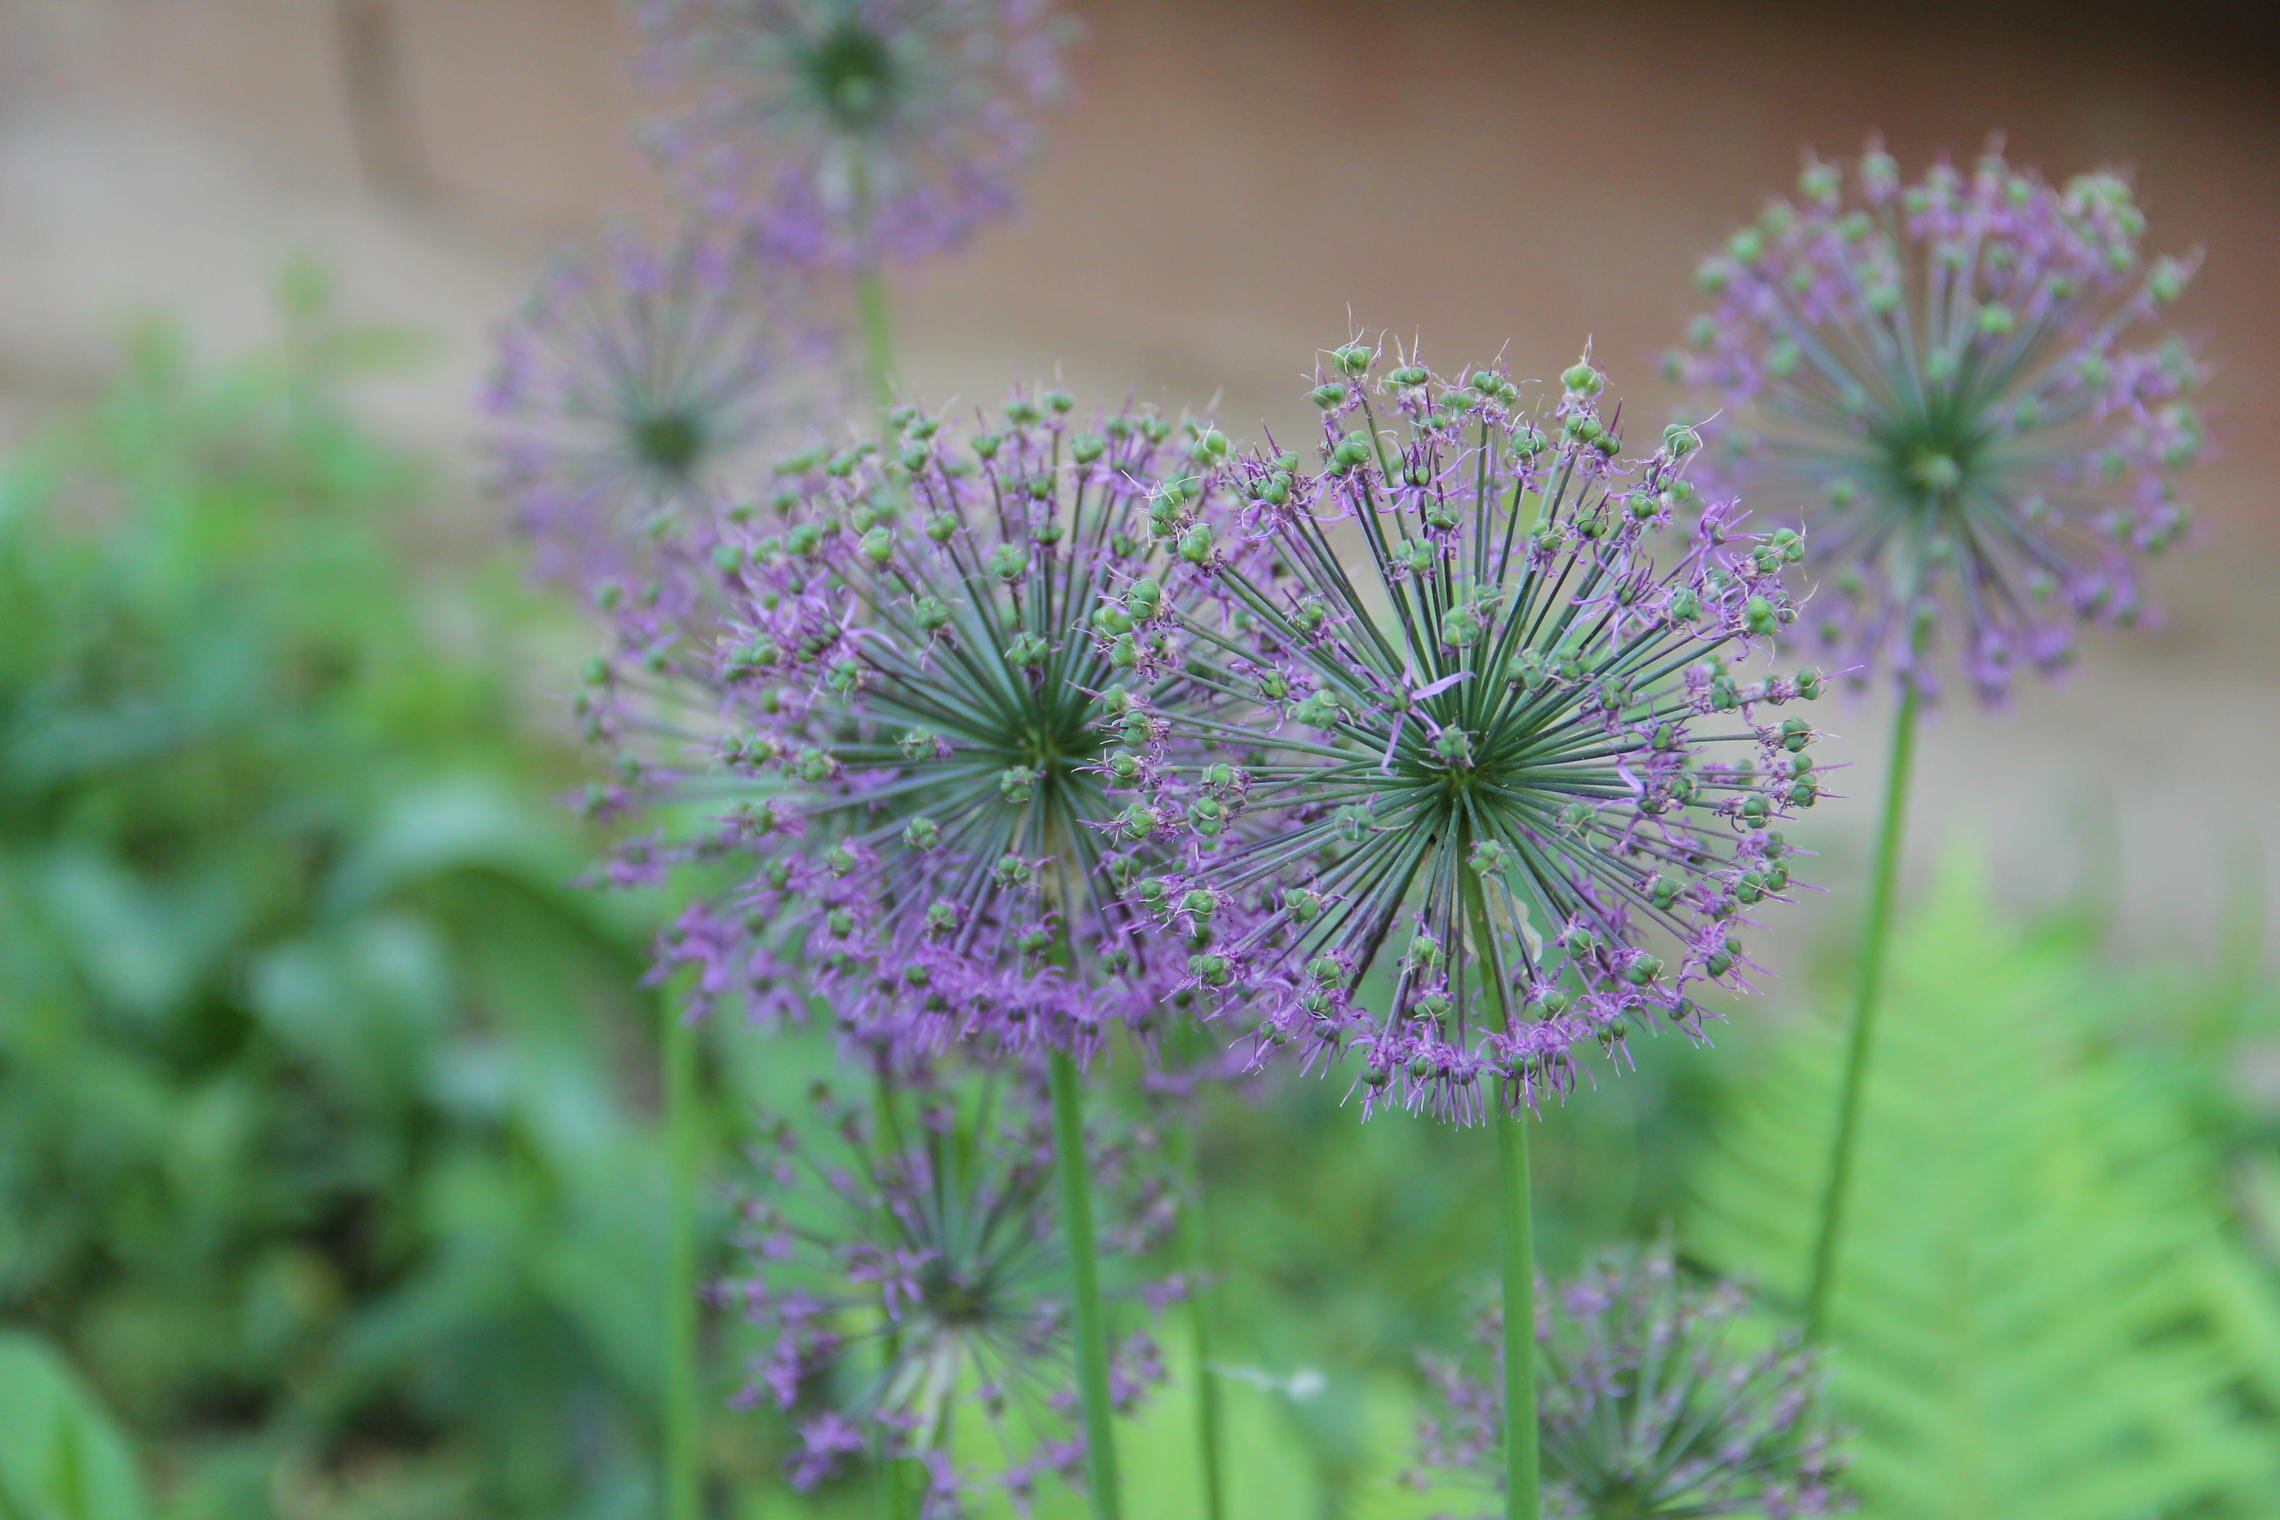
[[855, 132], [910, 1288], [637, 385], [1483, 783], [1654, 1402], [899, 726], [1953, 381]]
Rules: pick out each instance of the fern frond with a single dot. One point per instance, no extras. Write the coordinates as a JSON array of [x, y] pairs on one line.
[[2040, 1314]]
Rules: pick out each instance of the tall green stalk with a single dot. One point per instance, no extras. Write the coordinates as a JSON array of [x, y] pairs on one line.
[[878, 337], [1089, 1322], [1874, 944], [684, 1443], [1516, 1235], [1195, 1240], [1516, 1245], [890, 1482], [887, 1138]]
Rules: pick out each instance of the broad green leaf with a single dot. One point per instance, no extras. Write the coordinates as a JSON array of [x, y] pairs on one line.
[[60, 1456]]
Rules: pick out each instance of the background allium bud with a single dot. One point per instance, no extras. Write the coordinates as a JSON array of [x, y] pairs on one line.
[[1956, 383], [1498, 678], [1656, 1403], [909, 1285], [854, 132]]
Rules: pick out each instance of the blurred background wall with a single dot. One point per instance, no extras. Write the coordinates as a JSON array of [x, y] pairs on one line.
[[1235, 185]]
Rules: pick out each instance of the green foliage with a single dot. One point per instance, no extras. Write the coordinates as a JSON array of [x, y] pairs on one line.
[[324, 1154], [61, 1458], [315, 1154], [2044, 1312]]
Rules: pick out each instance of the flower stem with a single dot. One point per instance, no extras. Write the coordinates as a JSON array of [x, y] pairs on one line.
[[1195, 1236], [1516, 1230], [887, 1139], [890, 1483], [878, 336], [1516, 1243], [684, 1446], [1089, 1324], [1874, 944]]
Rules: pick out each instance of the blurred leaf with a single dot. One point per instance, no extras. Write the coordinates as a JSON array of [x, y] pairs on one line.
[[319, 1146], [462, 824], [60, 1456]]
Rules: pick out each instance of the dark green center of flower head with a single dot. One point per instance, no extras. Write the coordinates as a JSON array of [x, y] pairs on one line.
[[950, 1296], [1936, 472], [1060, 740], [669, 443], [1932, 454], [1050, 749], [852, 71], [1621, 1499]]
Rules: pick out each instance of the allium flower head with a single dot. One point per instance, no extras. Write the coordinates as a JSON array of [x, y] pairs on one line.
[[635, 387], [916, 726], [1493, 755], [910, 1294], [855, 131], [1953, 381], [1653, 1404]]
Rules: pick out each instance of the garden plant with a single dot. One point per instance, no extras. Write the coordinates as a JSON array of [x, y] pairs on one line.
[[1051, 952]]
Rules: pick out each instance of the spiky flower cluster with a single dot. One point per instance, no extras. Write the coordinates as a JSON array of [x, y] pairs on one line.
[[1951, 380], [1472, 734], [1653, 1405], [852, 132], [635, 386], [910, 1293], [915, 725]]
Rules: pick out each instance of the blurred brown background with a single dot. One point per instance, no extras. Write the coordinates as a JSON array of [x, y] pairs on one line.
[[1234, 186]]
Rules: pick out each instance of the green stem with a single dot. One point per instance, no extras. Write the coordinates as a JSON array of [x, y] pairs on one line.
[[1516, 1230], [887, 1139], [890, 1484], [878, 337], [1516, 1242], [1874, 945], [1195, 1237], [1090, 1325], [684, 1447]]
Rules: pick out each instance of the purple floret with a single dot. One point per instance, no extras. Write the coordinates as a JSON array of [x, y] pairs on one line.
[[1953, 382], [1653, 1402], [909, 1291], [637, 388], [897, 729], [1472, 777], [853, 133]]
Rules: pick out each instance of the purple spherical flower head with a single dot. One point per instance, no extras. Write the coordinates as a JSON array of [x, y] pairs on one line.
[[634, 388], [1483, 787], [1951, 380], [854, 132], [1652, 1405], [916, 728], [909, 1290]]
